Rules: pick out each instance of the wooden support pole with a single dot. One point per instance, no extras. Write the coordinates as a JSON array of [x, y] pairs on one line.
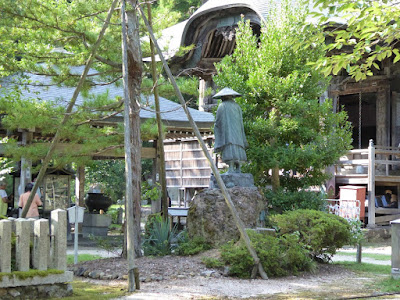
[[371, 184], [68, 111], [220, 182], [160, 140]]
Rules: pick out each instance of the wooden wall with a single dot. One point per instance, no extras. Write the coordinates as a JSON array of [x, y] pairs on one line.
[[185, 164]]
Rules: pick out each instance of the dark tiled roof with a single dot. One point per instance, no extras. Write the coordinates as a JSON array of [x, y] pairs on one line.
[[41, 88]]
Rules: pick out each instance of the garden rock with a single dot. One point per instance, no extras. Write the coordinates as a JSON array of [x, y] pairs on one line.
[[209, 216]]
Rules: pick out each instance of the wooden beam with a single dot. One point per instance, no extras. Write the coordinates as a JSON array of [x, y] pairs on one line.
[[386, 218]]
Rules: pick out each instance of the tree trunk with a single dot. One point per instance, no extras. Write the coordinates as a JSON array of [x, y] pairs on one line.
[[135, 70], [275, 180]]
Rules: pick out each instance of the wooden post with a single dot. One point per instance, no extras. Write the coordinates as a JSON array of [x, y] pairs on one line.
[[371, 184], [381, 118], [160, 140], [132, 77], [228, 200]]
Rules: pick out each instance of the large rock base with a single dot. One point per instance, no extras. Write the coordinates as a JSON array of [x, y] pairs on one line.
[[210, 217]]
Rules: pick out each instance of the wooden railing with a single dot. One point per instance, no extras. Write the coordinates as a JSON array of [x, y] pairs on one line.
[[27, 244], [377, 163]]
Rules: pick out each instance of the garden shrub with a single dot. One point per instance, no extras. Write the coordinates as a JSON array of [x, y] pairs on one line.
[[212, 262], [159, 236], [284, 200], [320, 232], [279, 255], [191, 246]]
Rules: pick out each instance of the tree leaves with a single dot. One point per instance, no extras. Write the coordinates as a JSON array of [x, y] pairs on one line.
[[367, 35], [285, 124]]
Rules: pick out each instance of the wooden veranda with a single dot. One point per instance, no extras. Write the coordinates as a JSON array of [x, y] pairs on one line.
[[377, 168]]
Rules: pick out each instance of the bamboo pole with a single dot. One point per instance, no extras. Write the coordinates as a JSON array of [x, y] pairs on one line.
[[220, 182], [160, 141], [68, 111]]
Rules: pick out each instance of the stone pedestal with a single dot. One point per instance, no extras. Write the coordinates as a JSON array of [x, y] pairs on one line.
[[95, 224], [233, 179], [210, 217]]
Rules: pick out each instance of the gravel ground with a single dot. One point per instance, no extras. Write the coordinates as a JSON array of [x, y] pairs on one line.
[[177, 277]]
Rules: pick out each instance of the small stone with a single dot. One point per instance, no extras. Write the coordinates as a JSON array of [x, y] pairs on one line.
[[148, 279], [86, 273], [125, 277], [180, 276], [226, 271], [80, 271], [192, 274], [106, 277], [14, 293], [207, 273]]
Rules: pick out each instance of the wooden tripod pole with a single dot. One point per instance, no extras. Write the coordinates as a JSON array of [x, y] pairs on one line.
[[220, 182], [68, 111], [160, 141]]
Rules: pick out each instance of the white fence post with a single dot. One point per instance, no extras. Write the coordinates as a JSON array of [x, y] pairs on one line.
[[41, 244], [5, 246], [22, 251], [59, 239]]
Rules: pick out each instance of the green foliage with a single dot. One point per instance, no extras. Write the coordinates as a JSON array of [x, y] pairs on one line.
[[110, 174], [159, 236], [31, 273], [212, 262], [51, 38], [356, 232], [83, 290], [114, 212], [82, 257], [368, 39], [152, 193], [286, 125], [279, 255], [191, 246], [320, 232], [285, 200]]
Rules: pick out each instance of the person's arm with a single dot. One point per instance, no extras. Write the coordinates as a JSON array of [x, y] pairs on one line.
[[38, 201]]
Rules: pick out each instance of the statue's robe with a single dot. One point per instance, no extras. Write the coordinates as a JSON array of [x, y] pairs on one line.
[[229, 132]]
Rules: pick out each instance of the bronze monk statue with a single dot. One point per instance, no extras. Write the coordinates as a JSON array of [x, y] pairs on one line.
[[230, 139]]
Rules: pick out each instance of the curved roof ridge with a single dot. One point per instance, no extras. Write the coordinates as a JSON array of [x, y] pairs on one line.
[[261, 7]]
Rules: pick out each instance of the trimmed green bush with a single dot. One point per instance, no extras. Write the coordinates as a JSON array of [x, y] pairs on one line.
[[191, 246], [320, 232], [280, 255], [212, 262], [284, 200]]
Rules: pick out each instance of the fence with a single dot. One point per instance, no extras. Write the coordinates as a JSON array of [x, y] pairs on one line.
[[349, 210], [34, 244]]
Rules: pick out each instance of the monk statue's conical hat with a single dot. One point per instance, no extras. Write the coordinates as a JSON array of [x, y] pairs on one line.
[[226, 92]]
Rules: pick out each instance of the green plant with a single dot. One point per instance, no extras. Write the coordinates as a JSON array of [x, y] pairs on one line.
[[357, 234], [159, 236], [82, 257], [285, 200], [149, 192], [212, 262], [320, 232], [191, 246], [279, 255]]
